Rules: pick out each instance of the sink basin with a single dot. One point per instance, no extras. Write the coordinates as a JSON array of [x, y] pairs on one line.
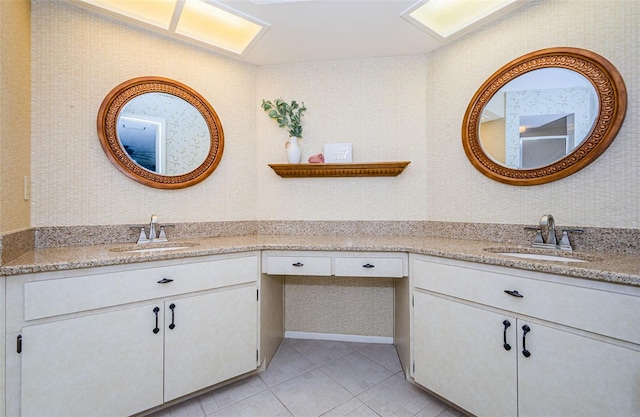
[[534, 255], [154, 247], [158, 249]]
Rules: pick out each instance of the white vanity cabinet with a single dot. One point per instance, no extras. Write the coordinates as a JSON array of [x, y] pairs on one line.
[[214, 339], [580, 354], [458, 354], [121, 340], [105, 363], [341, 264]]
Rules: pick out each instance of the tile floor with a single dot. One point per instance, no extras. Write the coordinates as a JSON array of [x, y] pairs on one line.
[[309, 378]]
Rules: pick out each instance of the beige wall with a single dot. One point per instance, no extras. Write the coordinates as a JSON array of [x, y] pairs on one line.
[[77, 59], [607, 192], [15, 114], [376, 104], [396, 108]]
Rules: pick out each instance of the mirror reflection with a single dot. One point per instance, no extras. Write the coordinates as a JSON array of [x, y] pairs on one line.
[[538, 118], [163, 134]]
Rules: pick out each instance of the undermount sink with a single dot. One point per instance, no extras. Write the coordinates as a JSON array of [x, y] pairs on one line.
[[534, 255], [154, 247]]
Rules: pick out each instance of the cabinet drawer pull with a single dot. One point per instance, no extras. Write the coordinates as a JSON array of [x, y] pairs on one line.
[[506, 325], [525, 329], [156, 329], [172, 307], [514, 293], [165, 281], [298, 264], [368, 265]]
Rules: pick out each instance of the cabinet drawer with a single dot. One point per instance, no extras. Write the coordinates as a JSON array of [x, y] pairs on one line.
[[69, 295], [298, 265], [604, 312], [369, 267]]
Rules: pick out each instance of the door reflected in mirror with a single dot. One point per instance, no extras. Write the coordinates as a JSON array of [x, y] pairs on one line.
[[538, 118]]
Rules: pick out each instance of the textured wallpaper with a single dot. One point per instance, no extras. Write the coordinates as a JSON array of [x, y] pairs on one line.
[[393, 108], [377, 105], [607, 192], [411, 108], [338, 305], [77, 59]]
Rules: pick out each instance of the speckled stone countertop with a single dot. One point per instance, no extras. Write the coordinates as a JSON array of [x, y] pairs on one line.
[[615, 268]]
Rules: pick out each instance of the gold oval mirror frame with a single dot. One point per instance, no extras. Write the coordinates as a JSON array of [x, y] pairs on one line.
[[110, 111], [612, 102]]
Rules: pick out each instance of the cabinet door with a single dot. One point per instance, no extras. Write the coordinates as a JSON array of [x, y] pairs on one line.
[[572, 375], [214, 339], [459, 355], [104, 364]]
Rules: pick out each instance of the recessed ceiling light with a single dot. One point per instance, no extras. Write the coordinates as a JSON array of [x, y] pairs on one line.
[[154, 12], [204, 22], [211, 23], [446, 19]]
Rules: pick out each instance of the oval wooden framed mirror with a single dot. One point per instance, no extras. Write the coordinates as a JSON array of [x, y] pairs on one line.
[[544, 116], [160, 133]]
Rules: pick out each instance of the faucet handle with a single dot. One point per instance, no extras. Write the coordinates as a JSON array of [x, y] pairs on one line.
[[162, 237], [565, 243], [538, 238], [142, 238]]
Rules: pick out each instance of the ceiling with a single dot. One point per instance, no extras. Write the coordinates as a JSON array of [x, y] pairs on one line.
[[316, 30], [330, 30]]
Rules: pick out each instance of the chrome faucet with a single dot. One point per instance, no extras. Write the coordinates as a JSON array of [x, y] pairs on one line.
[[548, 228], [156, 232], [546, 235], [153, 234]]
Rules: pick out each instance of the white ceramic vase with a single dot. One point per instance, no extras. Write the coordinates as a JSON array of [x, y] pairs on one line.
[[293, 150]]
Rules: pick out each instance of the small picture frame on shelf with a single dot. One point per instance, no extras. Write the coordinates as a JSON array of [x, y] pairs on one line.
[[337, 153]]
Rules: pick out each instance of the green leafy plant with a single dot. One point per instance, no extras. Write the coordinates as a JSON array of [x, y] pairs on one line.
[[287, 115]]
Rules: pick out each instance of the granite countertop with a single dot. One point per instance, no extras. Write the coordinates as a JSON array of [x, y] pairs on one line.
[[621, 269]]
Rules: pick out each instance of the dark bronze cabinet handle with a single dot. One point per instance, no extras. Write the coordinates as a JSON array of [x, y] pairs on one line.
[[514, 293], [172, 307], [525, 329], [165, 281], [506, 325], [298, 264], [156, 329], [368, 265]]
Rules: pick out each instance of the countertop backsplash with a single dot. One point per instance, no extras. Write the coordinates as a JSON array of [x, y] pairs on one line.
[[592, 240]]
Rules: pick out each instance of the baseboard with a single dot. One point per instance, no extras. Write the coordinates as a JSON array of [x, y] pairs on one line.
[[339, 337]]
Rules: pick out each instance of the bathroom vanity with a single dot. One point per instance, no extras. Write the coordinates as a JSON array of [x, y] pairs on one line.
[[535, 343], [129, 338], [130, 332]]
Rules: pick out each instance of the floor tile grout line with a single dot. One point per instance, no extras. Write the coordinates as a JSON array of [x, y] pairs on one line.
[[263, 388]]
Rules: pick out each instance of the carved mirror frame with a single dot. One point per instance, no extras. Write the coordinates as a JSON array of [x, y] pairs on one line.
[[115, 101], [612, 98]]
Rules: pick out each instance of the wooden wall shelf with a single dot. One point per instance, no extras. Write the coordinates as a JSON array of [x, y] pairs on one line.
[[369, 169]]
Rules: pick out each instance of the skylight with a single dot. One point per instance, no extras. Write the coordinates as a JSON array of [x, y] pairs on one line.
[[204, 22], [447, 19]]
